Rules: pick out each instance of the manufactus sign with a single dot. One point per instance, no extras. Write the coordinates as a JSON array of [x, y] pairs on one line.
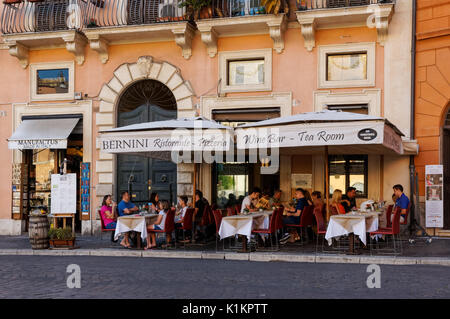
[[37, 144]]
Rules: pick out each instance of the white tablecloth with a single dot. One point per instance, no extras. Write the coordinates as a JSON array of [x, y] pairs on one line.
[[243, 224], [131, 223], [359, 224]]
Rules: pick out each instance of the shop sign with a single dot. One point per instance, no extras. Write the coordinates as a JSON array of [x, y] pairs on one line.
[[434, 192], [367, 134], [309, 135], [172, 141], [37, 144]]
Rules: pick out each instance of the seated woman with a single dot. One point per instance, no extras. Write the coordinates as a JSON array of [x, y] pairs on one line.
[[107, 212], [154, 199], [158, 225], [336, 201], [317, 199]]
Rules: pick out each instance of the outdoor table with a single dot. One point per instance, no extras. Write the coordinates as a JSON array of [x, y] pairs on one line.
[[137, 223], [352, 224], [243, 225]]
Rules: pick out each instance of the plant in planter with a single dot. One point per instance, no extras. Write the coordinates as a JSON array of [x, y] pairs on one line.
[[276, 6], [12, 1], [92, 23], [61, 237], [198, 9]]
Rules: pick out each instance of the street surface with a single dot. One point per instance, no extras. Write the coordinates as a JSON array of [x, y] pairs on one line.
[[128, 277]]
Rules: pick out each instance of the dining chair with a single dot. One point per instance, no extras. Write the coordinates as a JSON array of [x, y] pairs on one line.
[[272, 230], [187, 224], [169, 226], [393, 231], [306, 219], [218, 221], [103, 229]]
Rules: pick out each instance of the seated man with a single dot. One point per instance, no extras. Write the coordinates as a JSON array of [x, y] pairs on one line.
[[248, 204], [349, 199], [275, 201], [264, 202], [126, 207], [402, 201], [293, 214]]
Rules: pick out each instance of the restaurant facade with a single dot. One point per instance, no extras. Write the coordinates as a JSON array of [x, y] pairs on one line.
[[101, 65]]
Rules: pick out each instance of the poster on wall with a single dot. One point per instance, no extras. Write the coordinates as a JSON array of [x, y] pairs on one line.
[[64, 194], [301, 181], [85, 188], [434, 195]]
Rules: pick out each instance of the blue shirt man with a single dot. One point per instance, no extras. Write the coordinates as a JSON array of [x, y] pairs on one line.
[[402, 202], [126, 207]]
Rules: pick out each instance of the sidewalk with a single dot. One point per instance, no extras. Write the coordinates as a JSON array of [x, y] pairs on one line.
[[436, 253]]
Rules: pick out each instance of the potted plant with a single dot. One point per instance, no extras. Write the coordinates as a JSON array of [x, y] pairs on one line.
[[61, 238], [11, 1], [275, 6], [197, 8], [92, 23]]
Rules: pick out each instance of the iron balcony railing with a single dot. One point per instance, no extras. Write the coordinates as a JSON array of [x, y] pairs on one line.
[[327, 4], [107, 13], [234, 8], [22, 16]]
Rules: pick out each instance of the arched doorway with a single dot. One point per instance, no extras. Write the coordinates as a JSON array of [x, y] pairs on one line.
[[146, 101]]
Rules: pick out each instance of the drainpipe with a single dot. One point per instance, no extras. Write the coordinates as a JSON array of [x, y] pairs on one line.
[[412, 168]]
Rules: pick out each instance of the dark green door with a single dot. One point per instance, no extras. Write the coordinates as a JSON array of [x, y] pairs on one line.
[[146, 175]]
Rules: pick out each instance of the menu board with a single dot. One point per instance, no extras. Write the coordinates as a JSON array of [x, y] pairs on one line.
[[434, 196], [64, 194]]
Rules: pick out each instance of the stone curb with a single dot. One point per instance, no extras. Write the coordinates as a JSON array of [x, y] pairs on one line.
[[254, 256]]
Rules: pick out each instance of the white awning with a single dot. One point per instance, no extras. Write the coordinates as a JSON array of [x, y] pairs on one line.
[[152, 139], [42, 134], [338, 130]]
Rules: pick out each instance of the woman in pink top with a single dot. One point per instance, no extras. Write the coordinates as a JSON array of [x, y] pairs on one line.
[[107, 212]]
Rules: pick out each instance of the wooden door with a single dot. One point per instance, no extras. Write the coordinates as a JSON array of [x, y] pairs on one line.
[[143, 172]]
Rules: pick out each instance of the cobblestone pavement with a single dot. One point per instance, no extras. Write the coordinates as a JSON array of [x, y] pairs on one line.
[[127, 277]]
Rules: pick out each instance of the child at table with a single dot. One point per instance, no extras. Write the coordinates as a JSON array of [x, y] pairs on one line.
[[179, 216], [158, 225]]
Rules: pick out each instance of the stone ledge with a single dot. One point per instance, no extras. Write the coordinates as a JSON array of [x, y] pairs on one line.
[[255, 256], [237, 256], [338, 259], [213, 256]]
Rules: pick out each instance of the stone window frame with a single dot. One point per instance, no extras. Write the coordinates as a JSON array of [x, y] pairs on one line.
[[325, 50], [34, 67], [226, 56], [371, 97]]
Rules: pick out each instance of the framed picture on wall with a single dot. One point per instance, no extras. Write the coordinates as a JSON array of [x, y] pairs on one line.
[[52, 81]]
